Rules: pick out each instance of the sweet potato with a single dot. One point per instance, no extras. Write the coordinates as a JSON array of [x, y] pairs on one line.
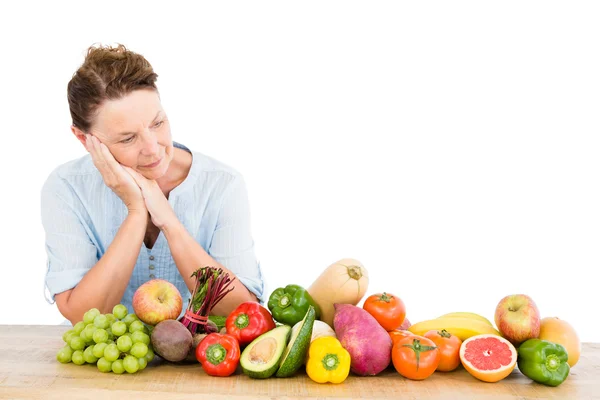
[[369, 345]]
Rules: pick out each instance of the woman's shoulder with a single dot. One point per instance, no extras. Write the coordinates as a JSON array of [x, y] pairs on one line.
[[209, 168], [212, 165], [209, 177], [73, 172]]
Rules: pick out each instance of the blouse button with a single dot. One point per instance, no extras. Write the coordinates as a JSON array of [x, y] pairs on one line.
[[152, 276], [151, 267], [151, 257]]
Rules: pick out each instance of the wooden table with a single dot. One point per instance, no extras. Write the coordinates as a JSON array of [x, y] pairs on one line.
[[29, 370]]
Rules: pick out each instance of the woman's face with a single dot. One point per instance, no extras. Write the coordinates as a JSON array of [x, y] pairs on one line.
[[136, 131]]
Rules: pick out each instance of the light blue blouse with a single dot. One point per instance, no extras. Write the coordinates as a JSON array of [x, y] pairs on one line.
[[81, 216]]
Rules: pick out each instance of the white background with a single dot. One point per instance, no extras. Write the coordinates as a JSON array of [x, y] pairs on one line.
[[451, 147]]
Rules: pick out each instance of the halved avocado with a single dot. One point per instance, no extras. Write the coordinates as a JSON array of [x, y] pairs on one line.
[[260, 359], [296, 349]]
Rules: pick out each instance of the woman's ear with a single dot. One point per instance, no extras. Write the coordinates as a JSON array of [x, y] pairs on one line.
[[81, 136]]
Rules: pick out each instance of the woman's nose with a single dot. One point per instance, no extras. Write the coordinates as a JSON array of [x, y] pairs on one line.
[[150, 144]]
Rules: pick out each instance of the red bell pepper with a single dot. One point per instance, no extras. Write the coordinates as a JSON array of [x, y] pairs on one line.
[[219, 354], [248, 321]]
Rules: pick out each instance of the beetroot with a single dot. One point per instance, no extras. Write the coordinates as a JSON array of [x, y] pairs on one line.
[[171, 340], [369, 345]]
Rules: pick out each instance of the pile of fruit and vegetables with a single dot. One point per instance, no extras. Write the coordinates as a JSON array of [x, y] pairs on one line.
[[320, 330]]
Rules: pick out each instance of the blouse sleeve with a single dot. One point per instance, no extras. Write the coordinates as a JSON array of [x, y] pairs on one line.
[[70, 252], [232, 244]]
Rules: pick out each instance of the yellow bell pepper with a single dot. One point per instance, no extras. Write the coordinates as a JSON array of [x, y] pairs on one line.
[[327, 361]]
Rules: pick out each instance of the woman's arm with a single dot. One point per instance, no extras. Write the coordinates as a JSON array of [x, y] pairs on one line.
[[189, 256], [231, 241], [104, 285]]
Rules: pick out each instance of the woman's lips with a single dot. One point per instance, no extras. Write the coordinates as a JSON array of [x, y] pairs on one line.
[[154, 164]]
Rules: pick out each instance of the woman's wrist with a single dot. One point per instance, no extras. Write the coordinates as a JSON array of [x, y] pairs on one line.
[[139, 215], [172, 229]]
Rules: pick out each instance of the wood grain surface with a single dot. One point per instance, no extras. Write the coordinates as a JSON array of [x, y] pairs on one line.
[[29, 370]]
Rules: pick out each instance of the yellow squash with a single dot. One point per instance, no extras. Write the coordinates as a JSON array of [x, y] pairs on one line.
[[344, 282]]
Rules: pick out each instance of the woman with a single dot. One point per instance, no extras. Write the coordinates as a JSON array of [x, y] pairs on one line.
[[139, 206]]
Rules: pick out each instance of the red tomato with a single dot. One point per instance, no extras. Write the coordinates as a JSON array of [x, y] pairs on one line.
[[388, 310], [398, 334], [449, 347], [404, 357]]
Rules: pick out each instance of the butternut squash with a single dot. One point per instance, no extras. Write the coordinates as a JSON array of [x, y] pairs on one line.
[[344, 282]]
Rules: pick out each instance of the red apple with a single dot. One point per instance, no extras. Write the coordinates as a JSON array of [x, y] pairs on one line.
[[405, 325], [517, 318], [156, 301]]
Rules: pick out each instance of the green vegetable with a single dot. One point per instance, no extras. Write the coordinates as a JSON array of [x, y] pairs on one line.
[[543, 361], [261, 358], [297, 348], [290, 304], [218, 320]]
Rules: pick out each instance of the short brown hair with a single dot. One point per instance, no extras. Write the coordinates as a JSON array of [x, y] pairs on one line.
[[108, 73]]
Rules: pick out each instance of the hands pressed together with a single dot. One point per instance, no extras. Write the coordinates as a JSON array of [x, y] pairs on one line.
[[137, 192]]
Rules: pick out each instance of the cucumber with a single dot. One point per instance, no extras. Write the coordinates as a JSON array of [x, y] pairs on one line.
[[297, 348]]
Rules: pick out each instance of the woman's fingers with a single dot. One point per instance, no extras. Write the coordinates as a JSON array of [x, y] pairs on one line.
[[136, 175], [139, 179], [155, 200], [89, 146], [111, 163], [102, 162], [95, 150], [108, 157], [114, 175]]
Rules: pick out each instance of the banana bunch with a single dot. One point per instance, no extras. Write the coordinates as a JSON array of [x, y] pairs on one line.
[[460, 324]]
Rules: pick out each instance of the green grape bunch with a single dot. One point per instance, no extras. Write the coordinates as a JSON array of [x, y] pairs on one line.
[[118, 342]]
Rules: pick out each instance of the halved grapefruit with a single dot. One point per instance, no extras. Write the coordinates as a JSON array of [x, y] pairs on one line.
[[489, 358]]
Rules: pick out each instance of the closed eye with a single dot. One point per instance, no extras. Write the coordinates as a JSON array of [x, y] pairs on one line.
[[128, 140], [159, 123]]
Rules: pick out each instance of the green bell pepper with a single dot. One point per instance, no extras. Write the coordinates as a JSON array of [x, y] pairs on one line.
[[290, 304], [543, 361]]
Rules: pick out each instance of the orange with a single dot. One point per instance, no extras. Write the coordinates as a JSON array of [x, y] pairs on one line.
[[489, 358], [559, 331]]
